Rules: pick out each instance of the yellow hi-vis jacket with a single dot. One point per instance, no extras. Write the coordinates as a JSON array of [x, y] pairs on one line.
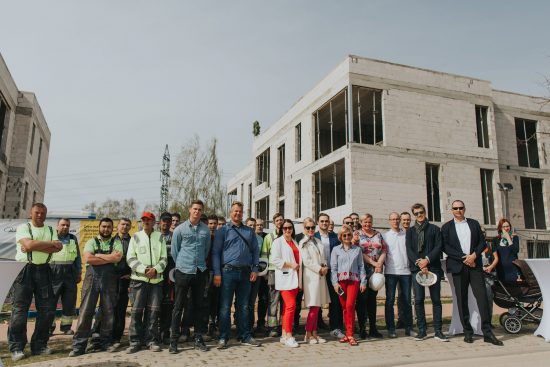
[[146, 252]]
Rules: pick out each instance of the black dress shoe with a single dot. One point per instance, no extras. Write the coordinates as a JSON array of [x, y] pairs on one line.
[[375, 334], [468, 338], [491, 338], [199, 345], [173, 348]]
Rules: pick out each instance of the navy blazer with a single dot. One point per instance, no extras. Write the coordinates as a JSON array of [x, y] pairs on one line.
[[432, 248], [451, 245]]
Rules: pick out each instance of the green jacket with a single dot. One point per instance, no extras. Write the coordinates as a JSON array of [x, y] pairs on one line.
[[266, 248], [145, 252]]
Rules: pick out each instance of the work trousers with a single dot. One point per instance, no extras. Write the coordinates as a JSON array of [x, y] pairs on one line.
[[100, 282], [64, 287], [33, 280], [274, 309], [167, 304], [146, 301], [263, 301]]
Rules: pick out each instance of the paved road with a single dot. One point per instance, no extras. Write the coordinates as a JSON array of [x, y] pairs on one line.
[[403, 351]]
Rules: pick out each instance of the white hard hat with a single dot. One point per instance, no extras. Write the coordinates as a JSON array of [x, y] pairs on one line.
[[262, 266], [172, 274], [376, 281], [427, 279]]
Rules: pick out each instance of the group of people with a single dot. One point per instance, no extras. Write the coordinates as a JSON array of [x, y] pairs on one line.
[[189, 274]]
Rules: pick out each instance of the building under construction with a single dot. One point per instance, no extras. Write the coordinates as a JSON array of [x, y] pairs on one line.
[[376, 137]]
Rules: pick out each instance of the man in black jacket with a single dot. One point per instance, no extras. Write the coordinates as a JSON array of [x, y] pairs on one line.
[[423, 242], [463, 243]]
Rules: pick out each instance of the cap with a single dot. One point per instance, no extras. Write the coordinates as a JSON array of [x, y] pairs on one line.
[[166, 216], [148, 215]]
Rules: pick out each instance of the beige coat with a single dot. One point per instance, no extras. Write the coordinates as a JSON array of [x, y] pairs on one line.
[[314, 285]]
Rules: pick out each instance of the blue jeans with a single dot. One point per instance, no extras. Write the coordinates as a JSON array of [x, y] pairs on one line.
[[435, 295], [235, 282], [404, 282]]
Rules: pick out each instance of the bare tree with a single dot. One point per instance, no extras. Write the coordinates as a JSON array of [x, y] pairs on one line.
[[113, 208], [197, 176]]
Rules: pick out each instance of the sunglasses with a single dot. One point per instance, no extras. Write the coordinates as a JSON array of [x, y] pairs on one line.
[[348, 223], [287, 228], [458, 208], [420, 212], [310, 228], [346, 235]]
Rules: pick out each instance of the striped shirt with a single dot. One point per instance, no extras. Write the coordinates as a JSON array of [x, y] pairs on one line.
[[347, 265]]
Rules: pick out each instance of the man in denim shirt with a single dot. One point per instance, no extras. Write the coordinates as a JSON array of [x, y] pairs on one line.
[[190, 246], [235, 257]]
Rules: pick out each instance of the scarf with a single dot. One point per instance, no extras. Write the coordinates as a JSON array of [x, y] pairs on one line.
[[420, 232]]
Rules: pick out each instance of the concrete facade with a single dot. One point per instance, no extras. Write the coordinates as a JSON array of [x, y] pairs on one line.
[[24, 149], [428, 117]]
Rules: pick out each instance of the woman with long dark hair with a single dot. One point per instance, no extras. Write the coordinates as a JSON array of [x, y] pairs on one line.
[[285, 256], [507, 246]]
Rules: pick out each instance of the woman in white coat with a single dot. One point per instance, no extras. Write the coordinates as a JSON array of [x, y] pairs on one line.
[[314, 269], [285, 256]]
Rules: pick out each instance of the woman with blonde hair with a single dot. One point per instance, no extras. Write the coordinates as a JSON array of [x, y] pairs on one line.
[[348, 278], [314, 268]]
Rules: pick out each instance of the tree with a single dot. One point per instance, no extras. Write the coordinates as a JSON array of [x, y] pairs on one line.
[[255, 128], [113, 208], [197, 176]]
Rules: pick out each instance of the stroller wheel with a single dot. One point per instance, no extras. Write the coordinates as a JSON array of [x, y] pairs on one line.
[[501, 318], [511, 324]]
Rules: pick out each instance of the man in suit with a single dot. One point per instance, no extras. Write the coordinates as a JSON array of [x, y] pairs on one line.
[[463, 243], [423, 243]]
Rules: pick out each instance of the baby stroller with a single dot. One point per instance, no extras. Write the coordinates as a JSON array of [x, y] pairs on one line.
[[523, 299]]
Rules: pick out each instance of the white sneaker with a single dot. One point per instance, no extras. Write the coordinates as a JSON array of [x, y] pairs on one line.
[[282, 340], [321, 340], [337, 333], [291, 343]]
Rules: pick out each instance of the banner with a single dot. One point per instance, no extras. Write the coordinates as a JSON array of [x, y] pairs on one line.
[[84, 230]]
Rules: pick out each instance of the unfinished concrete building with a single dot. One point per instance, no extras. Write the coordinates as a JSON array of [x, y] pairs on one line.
[[376, 137], [24, 148]]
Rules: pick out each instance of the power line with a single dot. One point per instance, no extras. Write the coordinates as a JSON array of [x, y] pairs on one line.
[[93, 173]]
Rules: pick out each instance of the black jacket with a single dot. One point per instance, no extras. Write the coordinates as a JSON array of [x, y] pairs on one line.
[[451, 245], [432, 248]]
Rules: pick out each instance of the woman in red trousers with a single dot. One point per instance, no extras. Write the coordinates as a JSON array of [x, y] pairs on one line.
[[348, 278], [285, 256]]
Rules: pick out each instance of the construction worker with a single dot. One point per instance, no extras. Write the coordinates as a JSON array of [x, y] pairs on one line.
[[66, 274], [101, 253], [35, 244], [147, 259], [167, 304], [123, 270]]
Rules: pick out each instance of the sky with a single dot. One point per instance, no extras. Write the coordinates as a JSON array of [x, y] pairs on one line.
[[118, 80]]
